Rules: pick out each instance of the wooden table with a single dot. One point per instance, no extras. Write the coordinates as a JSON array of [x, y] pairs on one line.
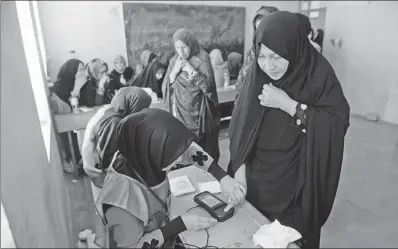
[[78, 121], [237, 232]]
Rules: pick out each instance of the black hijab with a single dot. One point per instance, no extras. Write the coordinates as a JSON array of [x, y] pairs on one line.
[[310, 80], [304, 22], [149, 141], [127, 100], [148, 78], [319, 38], [66, 79]]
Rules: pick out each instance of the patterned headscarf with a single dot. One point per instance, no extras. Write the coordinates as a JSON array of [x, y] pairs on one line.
[[94, 67], [188, 39]]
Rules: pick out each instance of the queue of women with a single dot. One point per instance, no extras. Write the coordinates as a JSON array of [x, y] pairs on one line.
[[286, 134]]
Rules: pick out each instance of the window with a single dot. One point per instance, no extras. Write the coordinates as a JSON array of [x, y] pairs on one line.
[[314, 14], [33, 54]]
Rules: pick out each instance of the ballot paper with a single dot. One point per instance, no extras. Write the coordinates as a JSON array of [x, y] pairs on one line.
[[275, 235], [213, 187], [181, 185]]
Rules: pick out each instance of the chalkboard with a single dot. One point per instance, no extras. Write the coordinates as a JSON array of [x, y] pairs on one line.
[[151, 26]]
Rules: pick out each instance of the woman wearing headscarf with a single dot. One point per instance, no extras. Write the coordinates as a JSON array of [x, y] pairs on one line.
[[71, 79], [234, 64], [152, 75], [100, 88], [288, 127], [135, 199], [165, 58], [220, 68], [122, 74], [249, 58], [99, 143], [306, 26], [147, 57], [190, 91], [318, 38]]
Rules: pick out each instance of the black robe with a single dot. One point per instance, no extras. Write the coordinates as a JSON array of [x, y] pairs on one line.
[[307, 160]]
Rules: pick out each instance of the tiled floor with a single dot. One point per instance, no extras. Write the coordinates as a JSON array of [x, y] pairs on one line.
[[365, 213]]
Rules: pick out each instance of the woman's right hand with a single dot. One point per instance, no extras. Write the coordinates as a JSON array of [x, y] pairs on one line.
[[195, 222]]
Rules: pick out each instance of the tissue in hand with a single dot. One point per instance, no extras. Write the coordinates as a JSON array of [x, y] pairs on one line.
[[275, 235]]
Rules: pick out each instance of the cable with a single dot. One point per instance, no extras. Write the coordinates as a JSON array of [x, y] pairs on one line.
[[207, 246]]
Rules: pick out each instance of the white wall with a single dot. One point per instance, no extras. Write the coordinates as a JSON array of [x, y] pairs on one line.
[[367, 62], [96, 29]]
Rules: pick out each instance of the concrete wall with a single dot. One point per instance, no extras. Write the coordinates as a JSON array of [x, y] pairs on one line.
[[32, 189], [96, 29]]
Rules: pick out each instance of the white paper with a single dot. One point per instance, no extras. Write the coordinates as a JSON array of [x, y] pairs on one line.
[[213, 187], [275, 235], [181, 185]]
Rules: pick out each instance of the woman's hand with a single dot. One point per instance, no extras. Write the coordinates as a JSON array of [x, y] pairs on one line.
[[277, 98], [80, 81], [234, 190], [187, 67], [178, 65], [122, 80], [195, 222], [105, 79], [240, 176]]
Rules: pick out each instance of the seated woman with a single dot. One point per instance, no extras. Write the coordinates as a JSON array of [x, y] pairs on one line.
[[100, 87], [152, 75], [99, 144], [70, 80], [234, 64], [122, 73], [220, 68], [190, 92], [135, 199], [288, 127]]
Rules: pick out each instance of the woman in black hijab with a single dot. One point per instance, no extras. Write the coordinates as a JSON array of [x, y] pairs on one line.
[[99, 143], [306, 26], [318, 38], [135, 197], [152, 75], [71, 79], [287, 129]]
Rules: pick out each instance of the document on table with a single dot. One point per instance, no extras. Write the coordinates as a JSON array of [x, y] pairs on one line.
[[181, 185]]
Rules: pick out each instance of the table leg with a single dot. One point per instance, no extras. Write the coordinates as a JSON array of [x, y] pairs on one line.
[[72, 152]]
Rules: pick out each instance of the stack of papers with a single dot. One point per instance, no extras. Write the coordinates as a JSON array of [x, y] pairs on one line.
[[181, 185]]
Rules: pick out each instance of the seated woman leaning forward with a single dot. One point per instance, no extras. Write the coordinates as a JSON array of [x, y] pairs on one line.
[[288, 127], [135, 199], [99, 144]]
